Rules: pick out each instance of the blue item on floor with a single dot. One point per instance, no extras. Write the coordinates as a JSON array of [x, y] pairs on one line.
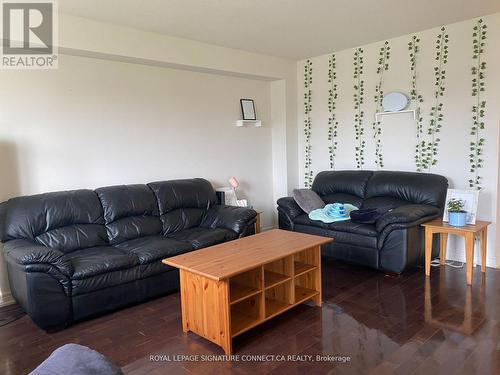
[[333, 212]]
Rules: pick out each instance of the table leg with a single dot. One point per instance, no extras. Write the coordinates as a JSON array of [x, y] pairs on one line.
[[469, 255], [226, 341], [428, 251], [183, 290], [317, 280], [442, 250], [483, 236]]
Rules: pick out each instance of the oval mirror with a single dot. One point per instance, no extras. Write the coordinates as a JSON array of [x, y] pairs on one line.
[[395, 101]]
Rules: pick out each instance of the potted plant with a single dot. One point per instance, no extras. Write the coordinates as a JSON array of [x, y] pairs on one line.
[[457, 217]]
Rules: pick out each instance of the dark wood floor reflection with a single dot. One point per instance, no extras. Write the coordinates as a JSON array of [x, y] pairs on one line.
[[386, 325]]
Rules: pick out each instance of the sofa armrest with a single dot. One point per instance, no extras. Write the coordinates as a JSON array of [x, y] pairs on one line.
[[289, 207], [27, 253], [237, 219], [407, 216]]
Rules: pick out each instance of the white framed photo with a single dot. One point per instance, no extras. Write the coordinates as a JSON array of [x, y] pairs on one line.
[[470, 199]]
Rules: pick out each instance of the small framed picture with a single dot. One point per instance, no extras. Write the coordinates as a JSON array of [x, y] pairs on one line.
[[470, 199], [247, 109]]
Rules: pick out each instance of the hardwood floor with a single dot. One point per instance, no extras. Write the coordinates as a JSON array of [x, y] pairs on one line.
[[386, 325]]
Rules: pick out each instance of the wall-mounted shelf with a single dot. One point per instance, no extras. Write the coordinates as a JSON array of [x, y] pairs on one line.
[[415, 112], [256, 123]]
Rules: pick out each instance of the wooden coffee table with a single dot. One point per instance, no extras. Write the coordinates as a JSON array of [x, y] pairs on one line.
[[230, 288]]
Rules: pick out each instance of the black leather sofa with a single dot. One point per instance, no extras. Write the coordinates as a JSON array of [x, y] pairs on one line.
[[396, 240], [75, 254]]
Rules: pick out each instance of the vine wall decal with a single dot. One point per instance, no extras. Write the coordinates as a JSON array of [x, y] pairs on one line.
[[359, 113], [432, 139], [421, 160], [308, 174], [479, 35], [436, 114], [382, 66], [332, 120]]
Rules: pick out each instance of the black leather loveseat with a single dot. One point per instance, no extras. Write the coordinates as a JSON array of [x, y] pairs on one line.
[[75, 254], [396, 240]]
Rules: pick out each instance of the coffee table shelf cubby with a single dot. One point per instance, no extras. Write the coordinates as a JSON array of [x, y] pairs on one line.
[[261, 277]]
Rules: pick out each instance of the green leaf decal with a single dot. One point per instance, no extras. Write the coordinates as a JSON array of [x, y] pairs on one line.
[[478, 71], [308, 174], [332, 120]]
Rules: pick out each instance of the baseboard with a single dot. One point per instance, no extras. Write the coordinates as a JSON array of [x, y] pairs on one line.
[[6, 299], [459, 256], [268, 228]]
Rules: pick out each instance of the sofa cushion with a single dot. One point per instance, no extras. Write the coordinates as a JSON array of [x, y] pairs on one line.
[[106, 280], [383, 202], [194, 193], [98, 260], [203, 237], [341, 226], [182, 203], [418, 188], [101, 267], [151, 248], [182, 218], [65, 221], [307, 199], [130, 211], [342, 198], [74, 237], [347, 182], [340, 237]]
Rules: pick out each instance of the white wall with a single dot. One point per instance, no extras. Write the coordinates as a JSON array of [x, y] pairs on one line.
[[398, 131], [85, 37], [95, 122]]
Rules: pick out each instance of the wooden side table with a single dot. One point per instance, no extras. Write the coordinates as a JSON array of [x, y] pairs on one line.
[[469, 232], [257, 222]]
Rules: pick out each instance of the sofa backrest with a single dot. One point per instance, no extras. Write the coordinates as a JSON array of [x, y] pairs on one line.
[[408, 187], [342, 186], [72, 220], [130, 211], [369, 189], [182, 203], [66, 220]]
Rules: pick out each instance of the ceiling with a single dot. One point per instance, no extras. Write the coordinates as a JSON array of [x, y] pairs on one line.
[[292, 29]]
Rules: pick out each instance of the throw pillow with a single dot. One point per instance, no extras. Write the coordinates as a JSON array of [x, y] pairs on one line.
[[308, 200]]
